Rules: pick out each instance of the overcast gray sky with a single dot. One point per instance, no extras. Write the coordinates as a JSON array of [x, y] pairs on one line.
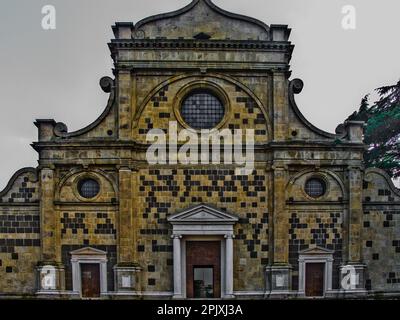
[[55, 74]]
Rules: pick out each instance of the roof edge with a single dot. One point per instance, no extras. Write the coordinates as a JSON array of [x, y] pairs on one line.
[[192, 5], [295, 87], [15, 176], [108, 86]]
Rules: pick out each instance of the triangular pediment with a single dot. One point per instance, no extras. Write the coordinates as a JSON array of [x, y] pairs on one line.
[[202, 17], [203, 214], [316, 251], [88, 251]]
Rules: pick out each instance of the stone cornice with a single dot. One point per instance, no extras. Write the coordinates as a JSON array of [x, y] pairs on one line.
[[135, 146], [202, 66], [219, 45]]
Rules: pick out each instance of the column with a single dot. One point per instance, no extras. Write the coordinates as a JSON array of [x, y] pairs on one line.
[[177, 267], [76, 278], [103, 275], [229, 266]]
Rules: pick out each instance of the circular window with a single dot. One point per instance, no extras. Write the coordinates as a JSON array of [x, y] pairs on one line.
[[202, 110], [315, 187], [88, 188]]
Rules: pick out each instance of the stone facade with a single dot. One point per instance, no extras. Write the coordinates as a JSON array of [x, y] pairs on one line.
[[137, 226]]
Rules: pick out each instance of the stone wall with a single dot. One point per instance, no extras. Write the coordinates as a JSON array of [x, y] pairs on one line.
[[163, 102], [163, 192], [19, 233], [381, 232]]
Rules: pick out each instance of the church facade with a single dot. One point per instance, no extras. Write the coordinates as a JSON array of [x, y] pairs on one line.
[[95, 219]]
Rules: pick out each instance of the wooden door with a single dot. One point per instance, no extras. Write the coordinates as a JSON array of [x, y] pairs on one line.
[[90, 275], [203, 269], [315, 279]]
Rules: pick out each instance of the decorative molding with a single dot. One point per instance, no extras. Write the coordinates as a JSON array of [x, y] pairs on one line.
[[316, 255], [81, 173], [203, 214], [88, 255], [322, 173], [154, 44], [202, 221]]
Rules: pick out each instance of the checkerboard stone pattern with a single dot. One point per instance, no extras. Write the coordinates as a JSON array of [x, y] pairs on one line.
[[244, 113], [43, 219], [163, 192], [316, 228], [24, 190], [19, 234], [88, 228], [381, 234]]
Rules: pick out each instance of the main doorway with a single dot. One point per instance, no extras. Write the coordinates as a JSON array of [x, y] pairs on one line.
[[315, 279], [90, 276], [203, 269]]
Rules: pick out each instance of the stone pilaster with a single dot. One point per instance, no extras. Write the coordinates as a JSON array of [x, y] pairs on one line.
[[126, 272], [50, 270], [280, 105], [355, 214], [278, 275], [353, 272], [124, 94], [280, 218], [47, 216]]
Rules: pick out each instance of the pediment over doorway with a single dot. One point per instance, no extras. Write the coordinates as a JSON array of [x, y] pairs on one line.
[[203, 214], [316, 251], [88, 251]]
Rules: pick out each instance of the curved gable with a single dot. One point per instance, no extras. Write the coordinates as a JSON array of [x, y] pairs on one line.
[[203, 20], [23, 187]]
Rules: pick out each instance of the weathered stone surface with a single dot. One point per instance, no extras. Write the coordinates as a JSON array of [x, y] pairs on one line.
[[158, 61]]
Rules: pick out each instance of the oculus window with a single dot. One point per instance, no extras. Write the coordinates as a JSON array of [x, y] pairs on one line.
[[88, 188], [315, 187], [202, 110]]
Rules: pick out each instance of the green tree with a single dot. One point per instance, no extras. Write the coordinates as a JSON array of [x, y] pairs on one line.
[[382, 133]]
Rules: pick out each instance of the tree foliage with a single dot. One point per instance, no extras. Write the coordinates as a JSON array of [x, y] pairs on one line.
[[382, 133]]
